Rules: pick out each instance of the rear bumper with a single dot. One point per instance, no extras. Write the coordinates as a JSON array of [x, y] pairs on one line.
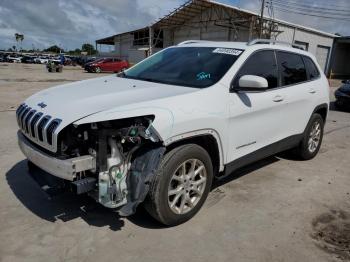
[[65, 169]]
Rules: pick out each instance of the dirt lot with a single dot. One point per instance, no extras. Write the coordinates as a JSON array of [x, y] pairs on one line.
[[278, 209]]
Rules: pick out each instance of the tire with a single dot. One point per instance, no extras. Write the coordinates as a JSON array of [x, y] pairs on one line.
[[339, 104], [193, 192], [305, 151], [97, 70]]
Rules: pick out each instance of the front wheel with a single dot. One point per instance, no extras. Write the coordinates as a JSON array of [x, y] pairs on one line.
[[312, 139], [181, 185], [97, 70]]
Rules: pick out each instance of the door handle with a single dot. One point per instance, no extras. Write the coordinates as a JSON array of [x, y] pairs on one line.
[[277, 98], [312, 91]]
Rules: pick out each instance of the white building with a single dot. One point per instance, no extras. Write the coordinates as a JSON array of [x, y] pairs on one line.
[[210, 20]]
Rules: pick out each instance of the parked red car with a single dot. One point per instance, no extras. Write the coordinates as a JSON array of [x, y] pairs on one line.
[[107, 65]]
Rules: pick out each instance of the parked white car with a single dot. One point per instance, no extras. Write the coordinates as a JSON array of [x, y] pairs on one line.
[[15, 59], [41, 60], [162, 130]]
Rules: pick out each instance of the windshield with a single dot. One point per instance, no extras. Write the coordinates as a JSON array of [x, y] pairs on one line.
[[198, 67]]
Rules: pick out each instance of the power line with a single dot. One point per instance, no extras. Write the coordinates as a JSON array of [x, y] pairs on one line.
[[324, 4], [313, 15], [309, 11], [313, 8]]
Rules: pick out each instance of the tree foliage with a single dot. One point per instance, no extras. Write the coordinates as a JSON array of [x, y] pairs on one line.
[[54, 49], [89, 48]]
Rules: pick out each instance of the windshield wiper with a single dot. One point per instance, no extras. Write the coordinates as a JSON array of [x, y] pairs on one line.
[[121, 74]]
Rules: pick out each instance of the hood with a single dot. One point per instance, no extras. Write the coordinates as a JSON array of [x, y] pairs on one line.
[[345, 89], [73, 101]]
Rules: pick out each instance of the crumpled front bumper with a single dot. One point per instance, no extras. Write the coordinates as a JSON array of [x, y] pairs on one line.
[[65, 169]]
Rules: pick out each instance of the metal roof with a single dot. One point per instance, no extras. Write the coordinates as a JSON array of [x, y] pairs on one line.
[[110, 39], [193, 8]]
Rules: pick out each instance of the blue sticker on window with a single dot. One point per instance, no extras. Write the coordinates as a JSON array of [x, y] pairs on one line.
[[203, 76]]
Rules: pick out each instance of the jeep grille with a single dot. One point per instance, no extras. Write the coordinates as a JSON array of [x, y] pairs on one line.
[[38, 127]]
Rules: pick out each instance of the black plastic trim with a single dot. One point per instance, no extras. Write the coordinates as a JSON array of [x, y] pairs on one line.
[[282, 145]]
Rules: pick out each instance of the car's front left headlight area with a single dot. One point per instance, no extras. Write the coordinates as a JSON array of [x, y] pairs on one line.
[[126, 153]]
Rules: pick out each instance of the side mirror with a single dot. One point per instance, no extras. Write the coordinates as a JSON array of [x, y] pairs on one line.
[[252, 83]]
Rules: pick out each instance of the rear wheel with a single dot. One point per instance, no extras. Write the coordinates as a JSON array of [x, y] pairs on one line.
[[339, 104], [311, 143], [181, 185]]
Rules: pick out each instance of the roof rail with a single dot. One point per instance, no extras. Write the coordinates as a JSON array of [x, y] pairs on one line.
[[274, 42], [193, 42], [267, 41]]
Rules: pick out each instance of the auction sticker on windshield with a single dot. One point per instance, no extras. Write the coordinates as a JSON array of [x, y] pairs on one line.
[[228, 51]]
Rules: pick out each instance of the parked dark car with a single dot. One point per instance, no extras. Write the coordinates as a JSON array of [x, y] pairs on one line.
[[28, 59], [86, 60], [107, 65], [342, 95]]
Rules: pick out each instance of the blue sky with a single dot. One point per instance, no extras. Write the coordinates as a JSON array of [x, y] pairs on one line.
[[69, 23]]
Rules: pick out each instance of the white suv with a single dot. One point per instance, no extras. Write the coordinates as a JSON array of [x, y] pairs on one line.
[[160, 131]]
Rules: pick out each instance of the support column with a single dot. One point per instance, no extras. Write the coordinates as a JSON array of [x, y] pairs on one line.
[[150, 40]]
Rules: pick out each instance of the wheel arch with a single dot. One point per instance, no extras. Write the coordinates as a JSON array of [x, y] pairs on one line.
[[208, 139], [321, 109]]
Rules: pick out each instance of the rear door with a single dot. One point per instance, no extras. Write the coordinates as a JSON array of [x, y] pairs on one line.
[[297, 92]]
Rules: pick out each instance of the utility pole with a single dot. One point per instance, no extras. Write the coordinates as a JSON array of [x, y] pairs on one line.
[[262, 18], [150, 40]]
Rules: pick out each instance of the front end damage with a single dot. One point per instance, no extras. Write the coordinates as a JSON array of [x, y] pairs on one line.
[[112, 161]]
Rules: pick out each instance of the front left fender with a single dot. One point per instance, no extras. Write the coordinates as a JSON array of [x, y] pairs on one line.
[[163, 122]]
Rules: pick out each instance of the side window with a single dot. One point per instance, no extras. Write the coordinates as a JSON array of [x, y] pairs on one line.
[[292, 68], [262, 64], [312, 70]]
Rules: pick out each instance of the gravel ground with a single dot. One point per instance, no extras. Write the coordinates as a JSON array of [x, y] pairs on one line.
[[278, 209]]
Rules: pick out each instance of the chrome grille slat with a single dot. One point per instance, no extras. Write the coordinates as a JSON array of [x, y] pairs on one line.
[[18, 111], [24, 116], [38, 127], [34, 121], [51, 127], [43, 122], [20, 116], [45, 128], [28, 120]]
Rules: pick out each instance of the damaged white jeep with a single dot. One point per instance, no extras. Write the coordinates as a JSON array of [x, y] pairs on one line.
[[160, 131]]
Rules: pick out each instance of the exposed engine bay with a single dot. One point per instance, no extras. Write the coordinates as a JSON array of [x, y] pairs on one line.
[[127, 153]]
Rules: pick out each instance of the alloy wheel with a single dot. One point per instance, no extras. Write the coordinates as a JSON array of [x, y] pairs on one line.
[[314, 137], [187, 186]]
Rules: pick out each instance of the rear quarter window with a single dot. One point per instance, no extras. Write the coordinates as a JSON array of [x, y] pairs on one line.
[[311, 68]]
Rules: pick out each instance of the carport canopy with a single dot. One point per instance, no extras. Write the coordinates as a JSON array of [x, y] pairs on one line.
[[340, 58]]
